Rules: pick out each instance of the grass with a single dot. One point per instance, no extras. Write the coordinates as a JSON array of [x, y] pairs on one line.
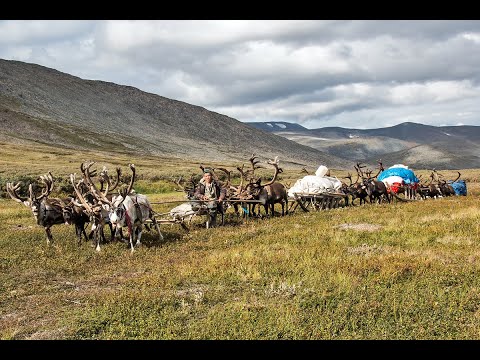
[[406, 271]]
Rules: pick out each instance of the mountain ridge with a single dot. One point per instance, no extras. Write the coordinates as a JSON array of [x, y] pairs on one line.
[[415, 144], [40, 104]]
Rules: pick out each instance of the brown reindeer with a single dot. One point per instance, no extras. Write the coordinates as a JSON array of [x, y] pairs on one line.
[[272, 192], [188, 187], [348, 190], [446, 188], [96, 210], [48, 211], [376, 189], [433, 186], [359, 189], [243, 192]]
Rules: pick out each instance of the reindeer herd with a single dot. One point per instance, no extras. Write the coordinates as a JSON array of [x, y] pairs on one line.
[[94, 202], [90, 204]]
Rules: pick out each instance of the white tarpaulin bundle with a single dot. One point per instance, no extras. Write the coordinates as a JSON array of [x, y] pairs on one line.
[[181, 211], [315, 184], [389, 181]]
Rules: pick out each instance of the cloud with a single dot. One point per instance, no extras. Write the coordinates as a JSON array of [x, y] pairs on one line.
[[318, 73], [41, 32]]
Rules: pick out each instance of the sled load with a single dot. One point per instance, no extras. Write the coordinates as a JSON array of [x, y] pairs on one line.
[[398, 176], [317, 191], [459, 186]]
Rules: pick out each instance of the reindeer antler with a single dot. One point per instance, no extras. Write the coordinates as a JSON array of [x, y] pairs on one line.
[[12, 191], [458, 177], [179, 183], [130, 186], [48, 181], [349, 177], [100, 196], [278, 170], [227, 185]]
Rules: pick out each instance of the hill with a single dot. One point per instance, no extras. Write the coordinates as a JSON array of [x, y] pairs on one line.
[[46, 106], [420, 146]]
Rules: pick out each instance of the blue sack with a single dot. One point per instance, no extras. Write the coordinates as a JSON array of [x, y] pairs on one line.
[[407, 175], [460, 187]]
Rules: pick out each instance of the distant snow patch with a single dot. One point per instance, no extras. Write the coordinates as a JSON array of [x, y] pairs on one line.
[[281, 126], [269, 124]]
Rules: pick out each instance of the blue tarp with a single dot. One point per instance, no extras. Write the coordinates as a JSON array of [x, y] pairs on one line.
[[407, 175], [460, 187]]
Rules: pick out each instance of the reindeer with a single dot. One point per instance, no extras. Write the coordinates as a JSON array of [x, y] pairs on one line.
[[270, 193], [446, 188], [131, 209], [433, 189], [242, 191], [73, 212], [87, 199], [375, 189], [359, 190], [348, 190], [95, 210], [423, 188], [47, 211], [187, 187]]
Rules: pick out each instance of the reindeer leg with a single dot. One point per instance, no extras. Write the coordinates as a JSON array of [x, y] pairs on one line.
[[139, 235], [84, 234], [49, 235], [117, 233], [130, 232], [112, 233], [185, 227], [98, 235], [157, 226], [78, 232], [222, 213]]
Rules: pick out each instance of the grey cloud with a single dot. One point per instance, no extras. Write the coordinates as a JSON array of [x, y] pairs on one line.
[[263, 69]]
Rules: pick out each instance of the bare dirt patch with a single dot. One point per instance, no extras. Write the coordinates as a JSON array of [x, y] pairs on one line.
[[21, 227], [359, 227], [451, 239], [47, 334], [365, 249]]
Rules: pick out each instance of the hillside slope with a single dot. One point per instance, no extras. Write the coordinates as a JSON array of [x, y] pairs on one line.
[[39, 104]]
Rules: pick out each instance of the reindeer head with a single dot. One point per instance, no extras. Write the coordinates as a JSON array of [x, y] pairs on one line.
[[188, 187], [32, 201]]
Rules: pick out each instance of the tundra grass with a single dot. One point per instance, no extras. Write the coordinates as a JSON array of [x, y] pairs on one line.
[[389, 271]]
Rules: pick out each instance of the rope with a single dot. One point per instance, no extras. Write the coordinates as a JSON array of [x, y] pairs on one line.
[[203, 201]]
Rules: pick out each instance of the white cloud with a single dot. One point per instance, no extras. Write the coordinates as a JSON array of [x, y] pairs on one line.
[[475, 37], [318, 73]]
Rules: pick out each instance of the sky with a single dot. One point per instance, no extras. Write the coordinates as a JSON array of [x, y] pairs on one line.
[[350, 73]]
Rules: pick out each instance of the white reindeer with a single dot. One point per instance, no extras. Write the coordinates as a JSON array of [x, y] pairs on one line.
[[131, 210]]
